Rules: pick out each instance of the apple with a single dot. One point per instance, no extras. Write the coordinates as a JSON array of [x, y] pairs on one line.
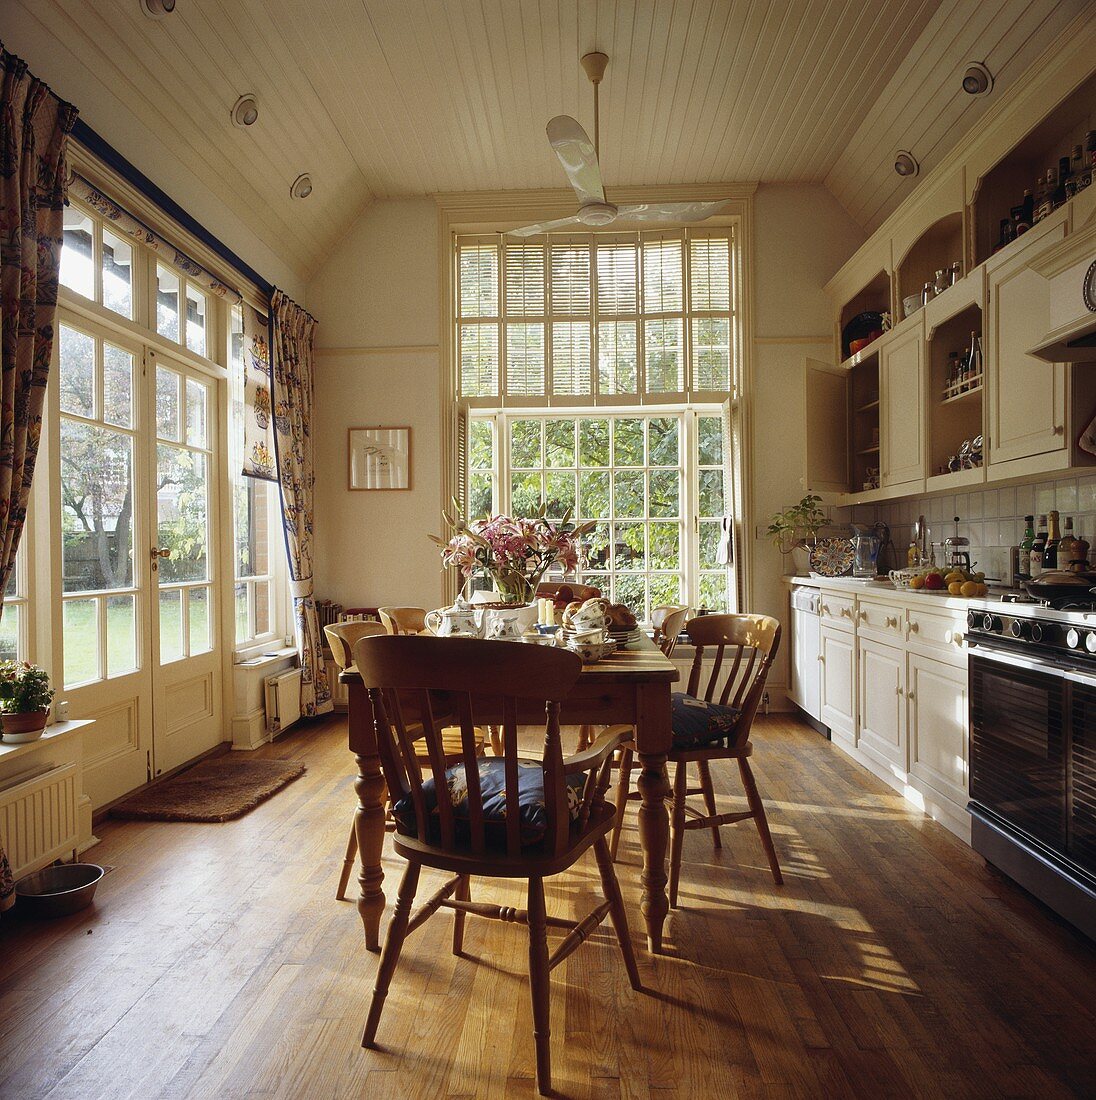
[[934, 582]]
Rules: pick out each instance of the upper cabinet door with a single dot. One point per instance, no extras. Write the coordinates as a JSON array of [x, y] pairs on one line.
[[1027, 396], [827, 428], [902, 412]]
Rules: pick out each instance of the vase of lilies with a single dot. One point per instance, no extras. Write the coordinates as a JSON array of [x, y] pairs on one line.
[[513, 552]]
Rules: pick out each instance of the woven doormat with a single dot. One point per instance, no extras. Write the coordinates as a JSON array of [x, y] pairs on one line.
[[220, 789]]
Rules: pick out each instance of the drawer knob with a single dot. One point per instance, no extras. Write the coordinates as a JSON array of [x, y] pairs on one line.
[[909, 696], [914, 627], [891, 621]]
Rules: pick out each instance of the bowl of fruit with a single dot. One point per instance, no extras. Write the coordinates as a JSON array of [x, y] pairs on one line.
[[952, 581]]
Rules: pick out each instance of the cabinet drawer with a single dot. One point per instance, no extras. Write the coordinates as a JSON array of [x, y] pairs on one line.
[[942, 635], [838, 611], [881, 619]]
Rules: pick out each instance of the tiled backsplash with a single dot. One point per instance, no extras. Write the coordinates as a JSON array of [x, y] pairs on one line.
[[993, 519]]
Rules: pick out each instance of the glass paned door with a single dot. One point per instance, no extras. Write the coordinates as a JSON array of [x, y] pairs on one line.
[[184, 561]]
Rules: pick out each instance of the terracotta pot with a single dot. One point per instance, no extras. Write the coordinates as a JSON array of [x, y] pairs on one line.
[[18, 728]]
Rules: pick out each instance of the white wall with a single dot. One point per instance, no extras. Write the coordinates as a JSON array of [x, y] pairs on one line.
[[377, 302], [379, 290]]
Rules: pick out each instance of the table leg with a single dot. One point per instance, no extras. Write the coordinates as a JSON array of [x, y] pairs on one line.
[[654, 834], [369, 816]]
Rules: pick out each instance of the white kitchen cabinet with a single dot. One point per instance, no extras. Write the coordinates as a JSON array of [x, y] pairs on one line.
[[937, 718], [838, 682], [902, 405], [882, 690], [804, 688], [1027, 395]]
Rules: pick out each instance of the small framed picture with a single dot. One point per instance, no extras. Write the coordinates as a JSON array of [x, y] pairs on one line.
[[379, 458]]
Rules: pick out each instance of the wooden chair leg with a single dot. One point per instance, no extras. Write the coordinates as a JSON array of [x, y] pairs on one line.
[[617, 912], [758, 811], [709, 797], [462, 893], [677, 829], [585, 738], [494, 734], [393, 943], [539, 984], [624, 784], [348, 864]]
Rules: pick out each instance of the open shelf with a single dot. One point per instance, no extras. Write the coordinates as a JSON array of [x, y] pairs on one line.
[[864, 425], [1002, 187], [869, 406], [953, 417], [935, 250], [875, 297]]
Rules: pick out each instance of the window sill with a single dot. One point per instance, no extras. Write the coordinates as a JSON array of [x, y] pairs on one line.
[[254, 659]]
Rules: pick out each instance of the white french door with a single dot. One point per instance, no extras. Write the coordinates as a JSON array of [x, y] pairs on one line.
[[134, 465]]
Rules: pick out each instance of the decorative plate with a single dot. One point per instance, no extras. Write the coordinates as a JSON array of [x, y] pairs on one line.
[[832, 557]]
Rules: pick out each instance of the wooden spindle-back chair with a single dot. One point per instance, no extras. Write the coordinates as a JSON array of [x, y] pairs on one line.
[[403, 620], [442, 819], [742, 649]]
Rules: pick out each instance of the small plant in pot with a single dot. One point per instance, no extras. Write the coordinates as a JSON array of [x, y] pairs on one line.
[[25, 697], [797, 526]]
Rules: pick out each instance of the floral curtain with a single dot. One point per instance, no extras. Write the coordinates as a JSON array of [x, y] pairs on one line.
[[258, 442], [293, 390], [34, 129]]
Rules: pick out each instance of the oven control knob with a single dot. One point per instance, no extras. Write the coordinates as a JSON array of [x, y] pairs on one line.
[[1073, 638], [1036, 632], [1018, 628], [991, 622], [1090, 642]]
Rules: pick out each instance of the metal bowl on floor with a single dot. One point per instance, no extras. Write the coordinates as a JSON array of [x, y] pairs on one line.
[[59, 890]]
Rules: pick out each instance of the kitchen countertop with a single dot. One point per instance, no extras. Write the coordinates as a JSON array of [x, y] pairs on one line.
[[884, 589]]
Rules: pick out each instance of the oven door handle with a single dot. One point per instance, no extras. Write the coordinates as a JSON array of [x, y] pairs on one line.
[[1030, 665]]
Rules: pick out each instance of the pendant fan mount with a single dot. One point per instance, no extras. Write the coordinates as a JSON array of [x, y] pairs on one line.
[[579, 157]]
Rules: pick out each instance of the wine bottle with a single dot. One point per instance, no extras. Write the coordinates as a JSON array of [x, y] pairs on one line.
[[1059, 195], [1067, 547], [1090, 160], [1050, 551], [1029, 209], [974, 360], [1044, 202], [1037, 548], [1076, 167], [1024, 556]]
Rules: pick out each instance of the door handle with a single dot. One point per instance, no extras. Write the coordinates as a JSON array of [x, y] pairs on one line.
[[159, 552]]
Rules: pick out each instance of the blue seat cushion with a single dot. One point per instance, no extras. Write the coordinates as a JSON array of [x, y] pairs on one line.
[[697, 723], [532, 812]]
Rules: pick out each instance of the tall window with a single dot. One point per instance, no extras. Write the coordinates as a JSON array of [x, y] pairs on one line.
[[13, 622], [608, 318], [639, 478], [253, 501], [597, 367]]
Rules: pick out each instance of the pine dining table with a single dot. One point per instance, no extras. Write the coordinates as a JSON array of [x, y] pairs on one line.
[[632, 686]]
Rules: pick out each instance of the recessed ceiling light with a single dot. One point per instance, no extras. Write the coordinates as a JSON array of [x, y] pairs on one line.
[[245, 112], [977, 80], [157, 9], [301, 187], [905, 163]]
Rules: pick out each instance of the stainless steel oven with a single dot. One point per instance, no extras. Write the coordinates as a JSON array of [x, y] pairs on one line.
[[1033, 756]]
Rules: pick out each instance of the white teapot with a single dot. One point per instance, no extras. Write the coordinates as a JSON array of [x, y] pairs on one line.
[[458, 621]]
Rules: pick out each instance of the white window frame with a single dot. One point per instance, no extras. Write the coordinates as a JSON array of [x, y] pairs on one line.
[[20, 599], [689, 465]]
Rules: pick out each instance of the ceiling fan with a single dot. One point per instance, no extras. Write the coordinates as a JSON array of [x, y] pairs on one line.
[[579, 157]]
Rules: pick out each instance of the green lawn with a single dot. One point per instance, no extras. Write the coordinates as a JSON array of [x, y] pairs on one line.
[[82, 643]]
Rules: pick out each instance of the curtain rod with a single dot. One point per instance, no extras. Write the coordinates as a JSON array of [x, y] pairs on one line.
[[106, 152]]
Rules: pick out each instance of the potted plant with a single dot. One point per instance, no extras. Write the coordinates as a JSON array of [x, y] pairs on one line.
[[25, 697], [798, 525]]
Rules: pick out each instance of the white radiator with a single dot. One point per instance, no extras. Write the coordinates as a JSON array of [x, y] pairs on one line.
[[38, 818], [283, 700]]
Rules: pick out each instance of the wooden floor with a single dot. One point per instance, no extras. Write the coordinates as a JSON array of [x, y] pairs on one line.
[[217, 963]]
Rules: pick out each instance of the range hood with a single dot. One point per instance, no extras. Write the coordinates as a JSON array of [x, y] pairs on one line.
[[1070, 270]]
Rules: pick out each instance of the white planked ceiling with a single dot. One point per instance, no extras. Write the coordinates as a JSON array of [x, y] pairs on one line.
[[378, 98]]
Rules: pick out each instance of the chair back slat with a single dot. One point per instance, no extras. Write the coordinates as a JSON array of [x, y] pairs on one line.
[[510, 767], [428, 677], [403, 620], [436, 756], [470, 760], [756, 639], [394, 707]]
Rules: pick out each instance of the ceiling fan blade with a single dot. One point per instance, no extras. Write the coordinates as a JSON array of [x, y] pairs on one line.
[[543, 227], [577, 155], [670, 211]]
